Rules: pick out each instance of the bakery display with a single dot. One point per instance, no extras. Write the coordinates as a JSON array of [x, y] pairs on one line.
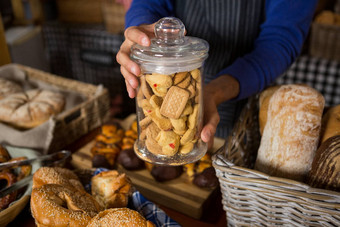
[[291, 132], [330, 123], [325, 170], [123, 217], [31, 108], [8, 87], [107, 146], [56, 175], [61, 205], [111, 189]]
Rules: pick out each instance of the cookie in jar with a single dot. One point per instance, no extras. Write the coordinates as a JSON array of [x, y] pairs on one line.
[[169, 99]]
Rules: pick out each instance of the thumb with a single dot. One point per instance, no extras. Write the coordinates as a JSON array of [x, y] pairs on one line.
[[212, 119]]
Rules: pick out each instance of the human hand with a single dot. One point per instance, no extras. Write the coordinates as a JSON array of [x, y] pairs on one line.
[[129, 69], [219, 90], [211, 117]]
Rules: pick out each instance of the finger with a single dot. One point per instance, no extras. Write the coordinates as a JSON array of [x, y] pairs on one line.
[[129, 78], [209, 129], [135, 35], [124, 60], [130, 90]]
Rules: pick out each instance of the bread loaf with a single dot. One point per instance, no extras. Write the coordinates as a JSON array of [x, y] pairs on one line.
[[263, 105], [325, 171], [8, 87], [330, 123], [291, 133], [30, 109]]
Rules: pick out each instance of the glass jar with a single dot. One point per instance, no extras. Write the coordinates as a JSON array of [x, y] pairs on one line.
[[169, 97]]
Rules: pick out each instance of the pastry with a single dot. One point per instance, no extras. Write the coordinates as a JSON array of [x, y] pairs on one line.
[[56, 175], [60, 205], [111, 189], [129, 160], [123, 217]]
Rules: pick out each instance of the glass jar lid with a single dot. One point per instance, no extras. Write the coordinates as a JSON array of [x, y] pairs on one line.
[[170, 51]]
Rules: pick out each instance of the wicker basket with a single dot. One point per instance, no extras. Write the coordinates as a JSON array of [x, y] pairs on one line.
[[325, 41], [82, 118], [253, 198]]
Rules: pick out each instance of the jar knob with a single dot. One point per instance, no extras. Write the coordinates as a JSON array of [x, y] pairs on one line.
[[169, 30]]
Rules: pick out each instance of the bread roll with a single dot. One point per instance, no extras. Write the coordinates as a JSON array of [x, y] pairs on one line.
[[330, 123], [30, 109], [122, 217], [8, 87], [111, 189], [325, 171], [291, 133], [263, 105]]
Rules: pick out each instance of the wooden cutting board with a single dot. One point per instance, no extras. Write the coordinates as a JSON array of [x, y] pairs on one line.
[[178, 194]]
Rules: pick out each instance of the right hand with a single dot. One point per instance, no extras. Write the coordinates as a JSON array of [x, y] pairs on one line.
[[129, 69]]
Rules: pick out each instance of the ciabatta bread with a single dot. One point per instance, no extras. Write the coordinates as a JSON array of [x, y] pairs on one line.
[[291, 133], [8, 87], [30, 109]]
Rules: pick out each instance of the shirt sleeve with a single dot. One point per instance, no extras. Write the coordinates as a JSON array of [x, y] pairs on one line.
[[148, 11], [280, 40]]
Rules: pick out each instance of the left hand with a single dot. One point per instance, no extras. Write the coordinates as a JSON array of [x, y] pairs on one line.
[[211, 117], [219, 90]]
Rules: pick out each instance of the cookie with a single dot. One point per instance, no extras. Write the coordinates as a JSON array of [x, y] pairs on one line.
[[169, 142], [142, 134], [184, 83], [146, 106], [187, 110], [179, 77], [153, 146], [145, 122], [188, 136], [192, 90], [192, 119], [156, 101], [196, 74], [174, 102], [145, 88], [179, 124], [152, 130], [162, 122], [159, 83], [186, 148], [180, 133]]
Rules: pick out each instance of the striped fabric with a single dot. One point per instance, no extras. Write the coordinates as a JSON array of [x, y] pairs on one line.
[[230, 27]]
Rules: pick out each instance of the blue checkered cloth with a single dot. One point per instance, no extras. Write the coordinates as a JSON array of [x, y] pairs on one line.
[[148, 209]]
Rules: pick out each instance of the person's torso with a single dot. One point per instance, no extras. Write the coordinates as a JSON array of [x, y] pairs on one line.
[[230, 27]]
